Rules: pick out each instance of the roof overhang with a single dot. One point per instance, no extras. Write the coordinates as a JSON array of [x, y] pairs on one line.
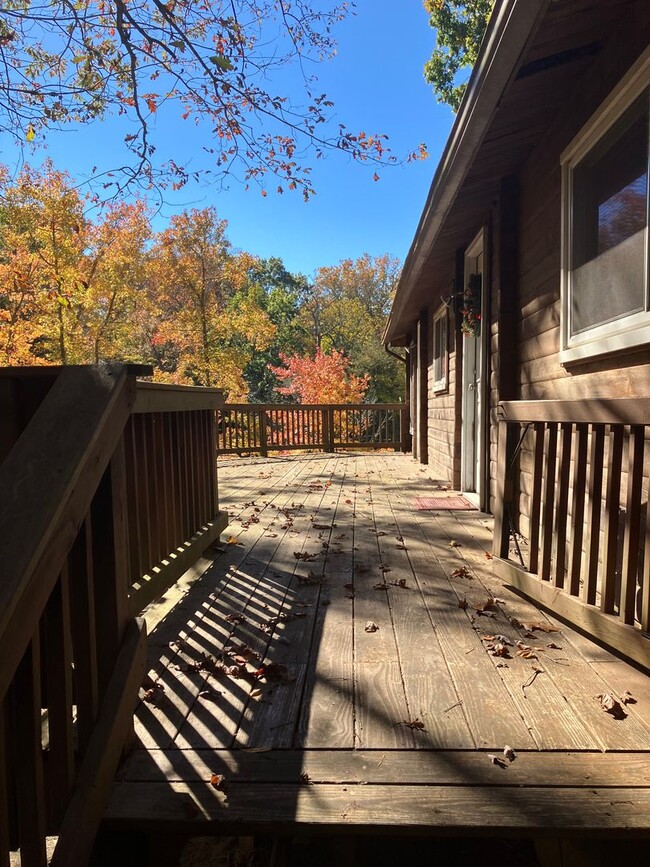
[[511, 27]]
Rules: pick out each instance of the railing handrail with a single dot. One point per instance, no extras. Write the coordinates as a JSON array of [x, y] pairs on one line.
[[266, 407], [163, 397], [620, 410]]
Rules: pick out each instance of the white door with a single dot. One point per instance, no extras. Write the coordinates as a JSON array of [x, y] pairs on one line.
[[474, 351]]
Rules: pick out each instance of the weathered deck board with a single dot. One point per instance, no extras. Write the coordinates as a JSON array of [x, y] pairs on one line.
[[339, 706]]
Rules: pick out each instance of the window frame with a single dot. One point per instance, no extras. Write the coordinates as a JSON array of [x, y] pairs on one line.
[[629, 331], [441, 352]]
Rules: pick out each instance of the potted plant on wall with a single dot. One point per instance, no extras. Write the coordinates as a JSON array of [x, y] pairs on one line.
[[471, 307]]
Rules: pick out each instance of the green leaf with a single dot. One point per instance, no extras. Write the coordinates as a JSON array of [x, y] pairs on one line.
[[221, 61]]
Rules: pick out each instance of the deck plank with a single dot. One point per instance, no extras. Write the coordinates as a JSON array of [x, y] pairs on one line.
[[328, 741]]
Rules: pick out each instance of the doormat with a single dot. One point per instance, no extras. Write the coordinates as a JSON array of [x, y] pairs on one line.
[[426, 504]]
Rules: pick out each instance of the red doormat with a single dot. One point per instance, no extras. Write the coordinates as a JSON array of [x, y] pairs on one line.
[[456, 503]]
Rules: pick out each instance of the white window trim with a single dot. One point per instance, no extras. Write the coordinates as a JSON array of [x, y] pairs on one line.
[[633, 330], [442, 384]]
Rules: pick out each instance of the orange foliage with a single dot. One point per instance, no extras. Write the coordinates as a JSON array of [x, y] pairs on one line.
[[325, 378]]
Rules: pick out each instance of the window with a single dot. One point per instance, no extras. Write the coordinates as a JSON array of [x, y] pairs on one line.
[[440, 349], [605, 287]]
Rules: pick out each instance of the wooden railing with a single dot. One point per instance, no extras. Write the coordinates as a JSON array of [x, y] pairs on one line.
[[107, 493], [572, 524], [244, 428]]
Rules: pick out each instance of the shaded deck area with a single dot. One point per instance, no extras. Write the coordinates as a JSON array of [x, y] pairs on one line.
[[346, 660]]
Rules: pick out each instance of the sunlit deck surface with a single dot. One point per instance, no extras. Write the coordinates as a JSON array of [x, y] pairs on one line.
[[264, 670]]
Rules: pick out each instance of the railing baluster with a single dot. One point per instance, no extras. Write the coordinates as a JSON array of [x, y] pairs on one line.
[[58, 677], [143, 493], [536, 499], [578, 509], [549, 501], [595, 498], [633, 523], [30, 791], [612, 504], [110, 566], [84, 636], [561, 507]]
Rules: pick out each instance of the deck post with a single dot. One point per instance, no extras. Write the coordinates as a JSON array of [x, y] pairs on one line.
[[263, 448], [504, 492]]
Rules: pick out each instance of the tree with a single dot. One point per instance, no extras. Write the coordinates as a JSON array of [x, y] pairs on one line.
[[459, 26], [325, 378], [199, 337], [211, 63], [43, 236], [347, 310], [280, 294]]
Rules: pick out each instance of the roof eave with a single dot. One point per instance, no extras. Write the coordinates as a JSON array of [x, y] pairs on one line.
[[511, 26]]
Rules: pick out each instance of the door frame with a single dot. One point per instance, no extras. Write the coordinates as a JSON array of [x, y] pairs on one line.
[[475, 476]]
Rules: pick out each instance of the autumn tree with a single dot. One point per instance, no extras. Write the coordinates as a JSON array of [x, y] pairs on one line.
[[210, 64], [43, 239], [324, 377], [347, 310], [199, 337], [459, 26], [280, 294], [115, 274]]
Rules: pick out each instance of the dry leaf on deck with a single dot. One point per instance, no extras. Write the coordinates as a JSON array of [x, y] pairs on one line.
[[628, 698], [611, 705], [461, 572], [401, 583], [543, 627], [217, 781], [509, 753], [454, 544], [497, 760], [462, 603], [371, 626], [489, 556], [303, 555], [415, 724]]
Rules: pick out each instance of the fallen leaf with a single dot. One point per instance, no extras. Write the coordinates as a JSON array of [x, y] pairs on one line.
[[255, 693], [371, 626], [454, 544], [628, 698], [509, 753], [554, 646], [303, 555], [401, 583], [217, 781], [543, 627], [489, 556], [415, 724], [463, 603], [461, 572], [611, 705], [497, 760]]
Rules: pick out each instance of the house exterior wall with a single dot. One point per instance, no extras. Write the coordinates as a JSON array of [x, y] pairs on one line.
[[523, 267]]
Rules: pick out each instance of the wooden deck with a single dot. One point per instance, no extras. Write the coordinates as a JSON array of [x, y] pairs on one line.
[[264, 670]]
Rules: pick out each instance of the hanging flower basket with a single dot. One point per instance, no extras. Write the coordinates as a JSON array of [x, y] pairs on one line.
[[471, 307]]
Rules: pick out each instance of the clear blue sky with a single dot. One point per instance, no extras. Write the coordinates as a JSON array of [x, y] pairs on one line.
[[377, 85]]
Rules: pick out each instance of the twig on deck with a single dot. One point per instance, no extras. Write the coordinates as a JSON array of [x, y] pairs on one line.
[[530, 680], [452, 706]]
